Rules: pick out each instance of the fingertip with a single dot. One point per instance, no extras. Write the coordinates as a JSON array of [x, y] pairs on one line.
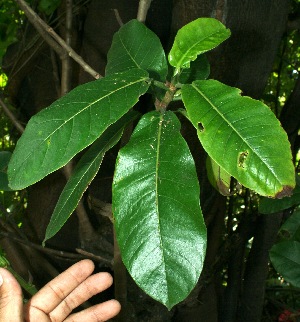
[[110, 309], [107, 278], [115, 305], [87, 263], [8, 281], [84, 267], [10, 297]]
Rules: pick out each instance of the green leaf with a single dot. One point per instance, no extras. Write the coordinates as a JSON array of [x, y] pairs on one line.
[[291, 228], [195, 38], [136, 46], [218, 177], [199, 69], [270, 206], [242, 135], [83, 174], [4, 160], [73, 122], [285, 257], [158, 220]]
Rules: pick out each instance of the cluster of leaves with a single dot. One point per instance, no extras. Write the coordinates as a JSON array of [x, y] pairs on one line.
[[156, 207]]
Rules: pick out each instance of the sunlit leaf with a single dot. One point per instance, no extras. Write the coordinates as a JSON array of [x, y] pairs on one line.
[[241, 135], [56, 134], [158, 220], [136, 46], [195, 38], [83, 173]]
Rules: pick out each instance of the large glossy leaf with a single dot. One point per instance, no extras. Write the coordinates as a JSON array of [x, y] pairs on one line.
[[158, 220], [83, 173], [56, 134], [4, 160], [195, 38], [270, 206], [136, 46], [242, 135], [285, 257]]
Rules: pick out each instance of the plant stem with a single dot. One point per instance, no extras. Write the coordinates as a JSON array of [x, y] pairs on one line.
[[118, 17], [162, 105], [30, 288], [160, 85], [144, 6], [66, 61]]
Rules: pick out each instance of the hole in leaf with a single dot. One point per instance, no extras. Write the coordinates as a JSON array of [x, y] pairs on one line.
[[242, 158], [200, 127]]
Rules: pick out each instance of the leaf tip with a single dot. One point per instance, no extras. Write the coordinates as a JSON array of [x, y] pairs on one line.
[[285, 192]]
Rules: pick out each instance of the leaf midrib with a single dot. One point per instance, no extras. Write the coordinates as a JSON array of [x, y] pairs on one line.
[[161, 119], [131, 57]]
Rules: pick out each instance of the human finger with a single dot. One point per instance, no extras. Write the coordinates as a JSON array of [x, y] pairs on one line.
[[93, 285], [53, 293], [11, 301], [97, 313]]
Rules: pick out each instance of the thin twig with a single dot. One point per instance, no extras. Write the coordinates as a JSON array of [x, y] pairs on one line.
[[118, 17], [57, 253], [94, 257], [40, 26], [66, 74], [11, 116], [144, 6], [43, 29]]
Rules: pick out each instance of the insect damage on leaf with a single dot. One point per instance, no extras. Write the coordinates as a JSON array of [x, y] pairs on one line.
[[285, 192], [242, 159], [200, 127]]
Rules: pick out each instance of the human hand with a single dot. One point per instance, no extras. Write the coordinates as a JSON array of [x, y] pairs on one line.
[[56, 300]]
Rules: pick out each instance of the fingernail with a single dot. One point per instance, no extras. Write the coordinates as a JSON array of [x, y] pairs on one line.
[[1, 280]]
